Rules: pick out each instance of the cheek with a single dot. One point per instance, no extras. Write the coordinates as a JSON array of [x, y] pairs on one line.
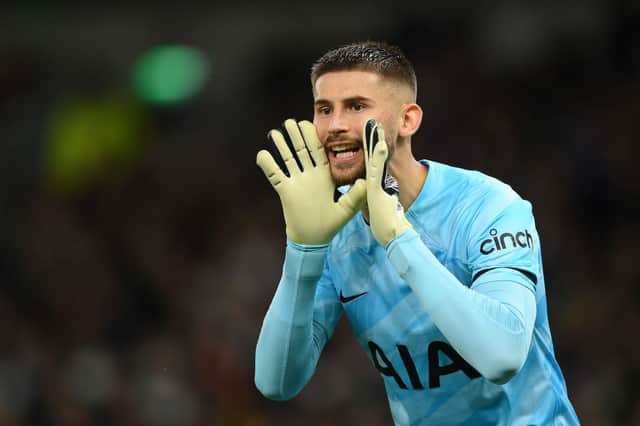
[[390, 130], [320, 129], [391, 137], [387, 120]]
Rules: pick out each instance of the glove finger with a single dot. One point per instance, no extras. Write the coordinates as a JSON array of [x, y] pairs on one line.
[[278, 139], [377, 164], [298, 144], [375, 136], [379, 135], [386, 181], [313, 143], [270, 168], [352, 200], [367, 132], [379, 157]]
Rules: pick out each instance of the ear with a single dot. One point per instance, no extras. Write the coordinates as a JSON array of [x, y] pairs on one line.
[[410, 120]]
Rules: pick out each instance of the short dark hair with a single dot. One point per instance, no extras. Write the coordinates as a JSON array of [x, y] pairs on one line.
[[376, 56]]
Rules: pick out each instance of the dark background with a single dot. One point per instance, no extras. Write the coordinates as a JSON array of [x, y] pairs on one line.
[[133, 281]]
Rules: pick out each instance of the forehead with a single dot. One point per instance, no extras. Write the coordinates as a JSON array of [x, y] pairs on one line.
[[336, 85]]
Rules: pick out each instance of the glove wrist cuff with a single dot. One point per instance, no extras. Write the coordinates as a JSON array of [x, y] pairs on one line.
[[304, 263], [307, 247]]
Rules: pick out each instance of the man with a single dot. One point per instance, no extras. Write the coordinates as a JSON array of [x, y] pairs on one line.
[[439, 271]]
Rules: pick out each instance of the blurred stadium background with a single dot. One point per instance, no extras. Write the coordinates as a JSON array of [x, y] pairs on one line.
[[140, 245]]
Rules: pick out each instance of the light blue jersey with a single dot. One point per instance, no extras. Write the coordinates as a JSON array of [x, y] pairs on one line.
[[484, 234]]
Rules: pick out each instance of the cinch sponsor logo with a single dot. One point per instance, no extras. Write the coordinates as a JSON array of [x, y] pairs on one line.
[[506, 240]]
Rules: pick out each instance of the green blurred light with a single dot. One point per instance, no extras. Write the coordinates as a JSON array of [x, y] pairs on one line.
[[169, 74]]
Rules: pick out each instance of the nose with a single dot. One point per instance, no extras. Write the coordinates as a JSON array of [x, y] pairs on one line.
[[337, 124]]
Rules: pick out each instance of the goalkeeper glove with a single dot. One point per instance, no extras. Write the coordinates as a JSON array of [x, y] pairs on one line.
[[386, 214], [311, 215]]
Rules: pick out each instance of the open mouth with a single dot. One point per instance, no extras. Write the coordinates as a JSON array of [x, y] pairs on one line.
[[344, 152]]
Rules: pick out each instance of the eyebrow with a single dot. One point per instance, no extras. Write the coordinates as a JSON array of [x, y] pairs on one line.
[[350, 100]]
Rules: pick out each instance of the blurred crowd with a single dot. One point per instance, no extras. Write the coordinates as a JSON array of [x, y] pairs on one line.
[[132, 293]]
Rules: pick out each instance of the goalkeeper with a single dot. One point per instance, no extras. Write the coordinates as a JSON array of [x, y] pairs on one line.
[[437, 268]]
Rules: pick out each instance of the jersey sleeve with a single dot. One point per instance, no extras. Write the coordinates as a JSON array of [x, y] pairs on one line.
[[506, 244], [327, 308], [297, 325]]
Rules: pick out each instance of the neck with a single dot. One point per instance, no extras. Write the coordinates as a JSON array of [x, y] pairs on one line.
[[411, 176]]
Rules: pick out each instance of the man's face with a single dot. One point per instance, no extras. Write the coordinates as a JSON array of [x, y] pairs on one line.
[[344, 101]]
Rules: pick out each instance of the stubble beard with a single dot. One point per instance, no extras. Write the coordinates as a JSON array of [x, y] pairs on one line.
[[343, 175]]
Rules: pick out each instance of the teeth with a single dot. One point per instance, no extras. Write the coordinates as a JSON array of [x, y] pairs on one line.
[[345, 154], [340, 148]]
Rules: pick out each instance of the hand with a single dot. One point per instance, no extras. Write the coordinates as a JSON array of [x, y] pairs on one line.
[[311, 215], [386, 214]]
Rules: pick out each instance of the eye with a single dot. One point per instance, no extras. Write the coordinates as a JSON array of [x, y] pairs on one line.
[[358, 107], [323, 110]]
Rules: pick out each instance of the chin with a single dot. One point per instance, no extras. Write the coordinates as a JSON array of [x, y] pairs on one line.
[[347, 175], [341, 179]]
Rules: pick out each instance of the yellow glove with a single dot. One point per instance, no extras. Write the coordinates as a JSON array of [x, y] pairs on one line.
[[311, 215], [386, 215]]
